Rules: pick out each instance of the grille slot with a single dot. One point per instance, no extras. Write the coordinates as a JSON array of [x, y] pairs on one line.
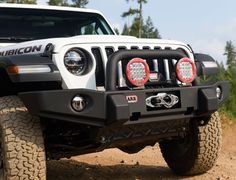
[[122, 47], [146, 47], [168, 48], [134, 47], [165, 68], [100, 74], [109, 51], [157, 48]]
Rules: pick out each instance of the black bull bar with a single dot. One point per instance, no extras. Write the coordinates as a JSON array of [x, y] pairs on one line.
[[111, 77]]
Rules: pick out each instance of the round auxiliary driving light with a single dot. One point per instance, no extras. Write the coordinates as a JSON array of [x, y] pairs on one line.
[[78, 103], [137, 72], [186, 70], [75, 62], [218, 92]]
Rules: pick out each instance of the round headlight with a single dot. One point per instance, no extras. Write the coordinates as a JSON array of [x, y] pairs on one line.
[[186, 70], [75, 62], [137, 71]]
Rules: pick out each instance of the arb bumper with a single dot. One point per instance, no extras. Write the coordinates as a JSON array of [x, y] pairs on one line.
[[127, 107]]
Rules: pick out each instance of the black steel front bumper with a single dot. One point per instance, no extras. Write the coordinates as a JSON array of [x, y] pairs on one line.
[[111, 107]]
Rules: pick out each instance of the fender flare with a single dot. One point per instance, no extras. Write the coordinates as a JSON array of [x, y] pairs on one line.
[[24, 60], [206, 65]]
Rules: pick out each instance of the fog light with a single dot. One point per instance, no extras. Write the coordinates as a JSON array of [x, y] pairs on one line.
[[218, 93], [78, 103]]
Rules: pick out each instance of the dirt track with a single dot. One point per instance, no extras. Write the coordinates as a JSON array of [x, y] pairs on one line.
[[147, 164]]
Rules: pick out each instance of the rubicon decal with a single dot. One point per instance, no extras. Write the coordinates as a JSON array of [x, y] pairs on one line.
[[132, 99], [20, 51]]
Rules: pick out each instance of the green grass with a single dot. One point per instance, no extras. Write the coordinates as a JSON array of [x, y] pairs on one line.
[[227, 114]]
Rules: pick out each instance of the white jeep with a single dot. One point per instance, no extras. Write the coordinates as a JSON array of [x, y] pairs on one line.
[[70, 86]]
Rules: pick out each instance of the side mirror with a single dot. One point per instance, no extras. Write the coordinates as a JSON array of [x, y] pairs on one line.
[[206, 65]]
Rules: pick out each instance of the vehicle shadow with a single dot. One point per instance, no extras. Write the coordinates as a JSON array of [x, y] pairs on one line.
[[73, 170]]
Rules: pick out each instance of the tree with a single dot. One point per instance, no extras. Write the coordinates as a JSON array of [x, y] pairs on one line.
[[149, 31], [58, 3], [139, 15], [117, 31], [130, 12], [20, 1], [138, 28], [222, 73], [134, 28], [125, 30], [141, 2], [230, 74], [80, 3], [230, 52], [75, 3]]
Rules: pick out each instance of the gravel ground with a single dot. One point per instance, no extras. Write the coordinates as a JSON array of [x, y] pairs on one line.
[[147, 164]]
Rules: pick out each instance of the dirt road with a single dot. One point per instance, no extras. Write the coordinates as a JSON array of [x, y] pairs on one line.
[[148, 164]]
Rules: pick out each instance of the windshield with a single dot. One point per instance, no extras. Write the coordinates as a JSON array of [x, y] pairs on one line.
[[28, 24]]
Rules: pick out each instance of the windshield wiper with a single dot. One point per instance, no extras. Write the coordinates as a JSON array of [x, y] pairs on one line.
[[15, 39]]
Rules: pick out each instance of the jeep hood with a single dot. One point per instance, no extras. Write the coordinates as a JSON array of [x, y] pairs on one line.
[[38, 46]]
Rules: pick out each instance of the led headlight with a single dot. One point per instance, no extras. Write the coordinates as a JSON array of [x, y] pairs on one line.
[[75, 62], [137, 72], [186, 70]]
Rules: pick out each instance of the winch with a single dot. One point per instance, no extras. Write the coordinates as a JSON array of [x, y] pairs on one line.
[[162, 99]]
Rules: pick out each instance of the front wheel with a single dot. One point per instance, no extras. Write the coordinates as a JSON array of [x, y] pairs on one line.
[[22, 145], [198, 151]]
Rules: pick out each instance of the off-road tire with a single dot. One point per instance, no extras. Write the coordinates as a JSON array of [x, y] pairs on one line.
[[199, 150], [22, 145]]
